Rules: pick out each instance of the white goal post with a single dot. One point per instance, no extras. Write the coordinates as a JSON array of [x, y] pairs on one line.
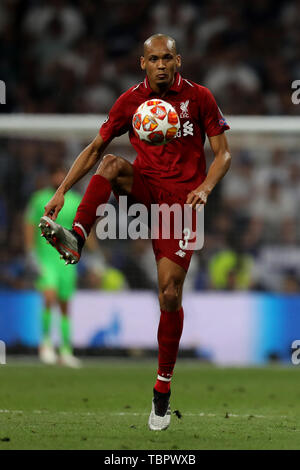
[[86, 125], [258, 131]]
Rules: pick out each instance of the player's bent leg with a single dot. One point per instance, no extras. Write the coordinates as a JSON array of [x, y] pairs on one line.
[[171, 278], [113, 173], [118, 171], [67, 242]]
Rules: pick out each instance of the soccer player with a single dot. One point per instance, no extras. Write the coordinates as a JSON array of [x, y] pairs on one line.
[[56, 284], [172, 173]]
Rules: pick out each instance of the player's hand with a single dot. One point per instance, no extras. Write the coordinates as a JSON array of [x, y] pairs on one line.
[[198, 196], [54, 205]]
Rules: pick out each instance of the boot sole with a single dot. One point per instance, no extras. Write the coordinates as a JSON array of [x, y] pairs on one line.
[[53, 234]]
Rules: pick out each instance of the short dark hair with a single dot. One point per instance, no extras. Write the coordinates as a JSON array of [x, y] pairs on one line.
[[160, 36]]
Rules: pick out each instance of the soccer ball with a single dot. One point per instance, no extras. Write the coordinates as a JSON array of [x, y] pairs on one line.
[[156, 122]]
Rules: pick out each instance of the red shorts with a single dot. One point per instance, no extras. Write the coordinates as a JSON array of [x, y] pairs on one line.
[[146, 193]]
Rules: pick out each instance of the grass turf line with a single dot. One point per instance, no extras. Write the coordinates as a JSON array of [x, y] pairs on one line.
[[106, 405]]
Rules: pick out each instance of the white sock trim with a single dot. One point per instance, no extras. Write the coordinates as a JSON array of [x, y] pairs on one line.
[[77, 224], [164, 379]]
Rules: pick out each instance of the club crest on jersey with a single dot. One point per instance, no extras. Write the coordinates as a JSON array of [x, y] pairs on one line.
[[184, 109]]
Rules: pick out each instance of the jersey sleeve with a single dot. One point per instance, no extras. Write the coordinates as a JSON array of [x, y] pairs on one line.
[[118, 121], [212, 117]]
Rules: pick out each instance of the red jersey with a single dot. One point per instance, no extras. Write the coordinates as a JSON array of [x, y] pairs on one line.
[[179, 165]]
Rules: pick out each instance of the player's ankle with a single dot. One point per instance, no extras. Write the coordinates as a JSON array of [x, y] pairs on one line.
[[80, 236], [162, 387]]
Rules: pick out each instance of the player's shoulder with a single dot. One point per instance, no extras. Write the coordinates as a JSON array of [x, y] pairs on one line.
[[200, 91], [132, 92]]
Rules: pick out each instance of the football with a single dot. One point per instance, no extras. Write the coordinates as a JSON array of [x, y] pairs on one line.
[[156, 122]]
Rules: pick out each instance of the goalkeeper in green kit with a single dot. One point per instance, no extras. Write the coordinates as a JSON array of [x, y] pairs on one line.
[[55, 281]]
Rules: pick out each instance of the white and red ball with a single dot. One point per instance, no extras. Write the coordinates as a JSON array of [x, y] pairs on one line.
[[156, 122]]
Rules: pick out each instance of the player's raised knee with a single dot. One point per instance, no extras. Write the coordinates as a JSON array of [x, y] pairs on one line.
[[110, 166], [170, 298]]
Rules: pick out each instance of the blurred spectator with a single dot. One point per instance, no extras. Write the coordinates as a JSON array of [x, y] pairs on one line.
[[238, 190], [248, 54], [231, 268], [39, 18], [272, 210], [291, 283]]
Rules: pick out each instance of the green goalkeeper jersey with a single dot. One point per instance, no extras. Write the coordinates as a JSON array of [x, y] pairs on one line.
[[35, 210]]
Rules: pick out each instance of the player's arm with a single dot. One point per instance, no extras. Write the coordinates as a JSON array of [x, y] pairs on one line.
[[217, 170], [81, 166]]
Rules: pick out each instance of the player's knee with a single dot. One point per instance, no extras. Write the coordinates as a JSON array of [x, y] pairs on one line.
[[170, 297], [110, 167]]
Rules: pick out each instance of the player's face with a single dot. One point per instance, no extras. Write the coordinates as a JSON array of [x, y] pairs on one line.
[[160, 62]]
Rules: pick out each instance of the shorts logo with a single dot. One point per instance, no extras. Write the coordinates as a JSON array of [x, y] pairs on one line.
[[180, 253], [184, 109]]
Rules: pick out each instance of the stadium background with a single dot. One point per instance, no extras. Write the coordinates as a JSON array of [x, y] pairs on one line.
[[242, 293]]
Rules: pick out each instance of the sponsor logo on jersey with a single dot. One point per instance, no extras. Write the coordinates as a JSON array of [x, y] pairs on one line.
[[184, 109], [180, 253], [187, 128]]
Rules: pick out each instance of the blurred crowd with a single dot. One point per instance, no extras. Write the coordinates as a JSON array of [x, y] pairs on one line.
[[78, 56]]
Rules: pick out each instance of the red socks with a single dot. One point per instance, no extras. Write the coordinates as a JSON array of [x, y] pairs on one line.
[[97, 192], [171, 323], [169, 334]]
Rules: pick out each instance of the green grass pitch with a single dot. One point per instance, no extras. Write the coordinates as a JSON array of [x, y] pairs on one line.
[[106, 404]]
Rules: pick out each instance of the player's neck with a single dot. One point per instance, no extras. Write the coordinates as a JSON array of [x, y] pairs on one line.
[[161, 90]]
